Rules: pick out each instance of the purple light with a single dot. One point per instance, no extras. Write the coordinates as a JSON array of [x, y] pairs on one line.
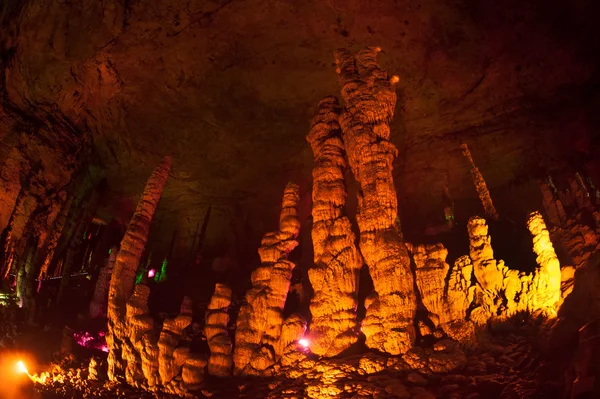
[[151, 273], [304, 343], [90, 341]]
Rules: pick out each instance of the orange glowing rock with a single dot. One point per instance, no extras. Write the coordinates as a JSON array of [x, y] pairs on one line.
[[334, 276], [480, 185], [546, 285], [370, 99], [446, 297], [128, 258], [260, 322], [217, 318], [500, 291]]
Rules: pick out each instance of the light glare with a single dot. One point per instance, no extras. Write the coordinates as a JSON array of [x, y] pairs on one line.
[[21, 367]]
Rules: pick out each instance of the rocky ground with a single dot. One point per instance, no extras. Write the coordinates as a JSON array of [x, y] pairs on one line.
[[509, 362]]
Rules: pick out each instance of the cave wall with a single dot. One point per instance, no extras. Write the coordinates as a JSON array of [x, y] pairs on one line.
[[228, 88]]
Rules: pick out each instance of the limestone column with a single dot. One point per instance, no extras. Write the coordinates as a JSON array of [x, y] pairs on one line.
[[370, 99], [546, 285], [337, 261]]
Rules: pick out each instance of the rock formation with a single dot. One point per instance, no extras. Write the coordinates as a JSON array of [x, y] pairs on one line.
[[445, 296], [128, 258], [99, 302], [553, 205], [260, 321], [370, 99], [337, 261], [500, 291], [546, 285], [480, 185], [215, 329]]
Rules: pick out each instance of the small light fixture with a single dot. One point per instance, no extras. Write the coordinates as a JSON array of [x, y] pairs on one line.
[[21, 367], [151, 273]]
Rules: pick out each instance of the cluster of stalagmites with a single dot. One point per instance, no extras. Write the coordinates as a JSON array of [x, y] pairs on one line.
[[475, 290]]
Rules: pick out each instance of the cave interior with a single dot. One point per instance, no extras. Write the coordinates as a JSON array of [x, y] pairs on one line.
[[272, 199]]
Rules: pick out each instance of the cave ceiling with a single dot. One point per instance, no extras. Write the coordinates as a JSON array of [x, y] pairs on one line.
[[228, 89]]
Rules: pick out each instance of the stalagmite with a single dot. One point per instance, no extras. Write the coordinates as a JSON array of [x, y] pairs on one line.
[[480, 185], [334, 277], [445, 296], [217, 318], [459, 296], [100, 299], [370, 99], [171, 356], [502, 292], [546, 287], [260, 321], [128, 258], [139, 323], [489, 273]]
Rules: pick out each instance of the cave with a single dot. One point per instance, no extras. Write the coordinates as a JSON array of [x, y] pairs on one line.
[[272, 199]]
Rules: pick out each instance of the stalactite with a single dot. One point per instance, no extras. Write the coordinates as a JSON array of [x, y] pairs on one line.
[[480, 185], [128, 257], [553, 205], [54, 237], [370, 99], [546, 285], [337, 261], [84, 220], [7, 243], [217, 318], [260, 320], [98, 305]]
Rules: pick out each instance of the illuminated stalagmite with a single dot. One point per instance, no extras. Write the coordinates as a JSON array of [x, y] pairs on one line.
[[334, 277], [260, 320], [100, 298], [126, 264], [215, 329], [500, 291], [546, 284], [480, 185], [446, 297], [370, 99]]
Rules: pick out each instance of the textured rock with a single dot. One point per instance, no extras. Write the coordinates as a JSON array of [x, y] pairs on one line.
[[545, 291], [501, 292], [171, 356], [488, 272], [98, 305], [260, 320], [480, 185], [337, 261], [446, 296], [552, 204], [370, 99], [126, 264], [215, 329]]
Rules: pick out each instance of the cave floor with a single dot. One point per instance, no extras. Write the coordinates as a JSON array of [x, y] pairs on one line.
[[508, 362]]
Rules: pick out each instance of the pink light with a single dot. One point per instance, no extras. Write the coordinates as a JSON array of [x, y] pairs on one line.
[[304, 343], [151, 273], [90, 341]]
